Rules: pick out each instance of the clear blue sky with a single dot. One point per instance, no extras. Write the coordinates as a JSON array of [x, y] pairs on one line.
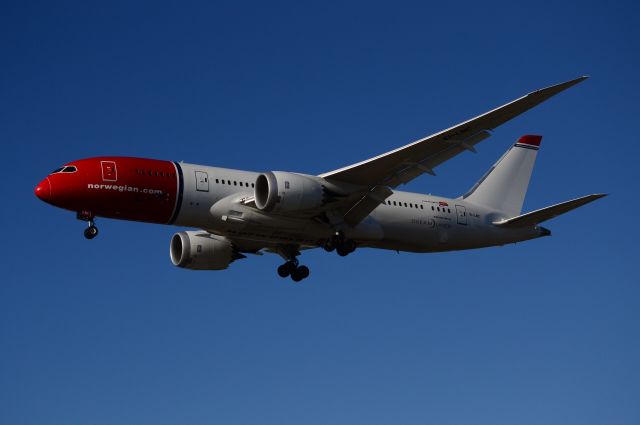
[[109, 332]]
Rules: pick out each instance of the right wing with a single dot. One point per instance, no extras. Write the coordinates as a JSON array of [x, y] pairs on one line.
[[408, 162]]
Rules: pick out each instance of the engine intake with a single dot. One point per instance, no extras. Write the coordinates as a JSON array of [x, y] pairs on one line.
[[281, 191], [202, 251]]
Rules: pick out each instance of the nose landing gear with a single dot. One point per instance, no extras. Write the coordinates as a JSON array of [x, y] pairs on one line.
[[91, 231]]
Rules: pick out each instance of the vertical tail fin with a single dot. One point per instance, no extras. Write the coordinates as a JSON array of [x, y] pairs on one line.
[[504, 186]]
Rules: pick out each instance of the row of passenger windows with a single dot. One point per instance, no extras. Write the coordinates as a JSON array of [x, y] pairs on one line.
[[411, 205], [156, 173], [234, 183], [399, 204]]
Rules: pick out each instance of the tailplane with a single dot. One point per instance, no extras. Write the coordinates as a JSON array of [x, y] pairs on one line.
[[504, 186], [538, 216]]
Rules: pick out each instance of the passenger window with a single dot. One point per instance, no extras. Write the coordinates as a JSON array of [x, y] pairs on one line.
[[217, 181], [405, 204], [421, 207], [253, 184], [235, 183]]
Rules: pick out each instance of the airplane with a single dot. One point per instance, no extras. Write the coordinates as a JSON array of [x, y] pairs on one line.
[[238, 213]]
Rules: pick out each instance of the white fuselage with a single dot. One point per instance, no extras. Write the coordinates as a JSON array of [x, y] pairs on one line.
[[212, 200]]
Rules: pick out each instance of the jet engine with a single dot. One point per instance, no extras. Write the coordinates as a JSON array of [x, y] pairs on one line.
[[278, 191], [202, 251]]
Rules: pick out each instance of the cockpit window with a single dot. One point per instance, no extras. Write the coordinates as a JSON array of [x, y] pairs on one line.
[[65, 169]]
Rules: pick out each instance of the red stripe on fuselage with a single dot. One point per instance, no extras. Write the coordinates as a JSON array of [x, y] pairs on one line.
[[118, 187]]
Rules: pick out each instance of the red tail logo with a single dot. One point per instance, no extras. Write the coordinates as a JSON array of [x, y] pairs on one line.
[[109, 171]]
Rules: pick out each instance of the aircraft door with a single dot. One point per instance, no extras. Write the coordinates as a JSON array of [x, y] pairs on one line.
[[462, 214], [202, 181]]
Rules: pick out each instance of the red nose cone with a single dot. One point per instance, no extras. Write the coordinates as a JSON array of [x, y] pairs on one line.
[[43, 190]]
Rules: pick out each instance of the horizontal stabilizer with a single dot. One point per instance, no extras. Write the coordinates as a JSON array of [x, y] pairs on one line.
[[538, 216]]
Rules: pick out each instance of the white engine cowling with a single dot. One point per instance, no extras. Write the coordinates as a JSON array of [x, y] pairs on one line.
[[201, 251], [281, 191]]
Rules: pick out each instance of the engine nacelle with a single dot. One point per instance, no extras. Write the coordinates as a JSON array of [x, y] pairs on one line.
[[201, 251], [281, 191]]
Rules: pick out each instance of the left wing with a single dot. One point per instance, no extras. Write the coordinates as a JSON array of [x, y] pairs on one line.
[[408, 162]]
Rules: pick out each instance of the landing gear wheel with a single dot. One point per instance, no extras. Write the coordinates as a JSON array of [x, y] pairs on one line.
[[300, 273], [342, 251], [346, 248], [91, 232], [286, 269], [329, 245]]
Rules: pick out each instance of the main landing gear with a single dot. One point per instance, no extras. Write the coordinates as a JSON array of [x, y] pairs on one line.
[[340, 244], [293, 269], [91, 231]]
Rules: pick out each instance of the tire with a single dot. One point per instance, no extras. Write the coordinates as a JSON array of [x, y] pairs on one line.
[[303, 271], [300, 273], [91, 232], [329, 245], [284, 270], [342, 251], [349, 246]]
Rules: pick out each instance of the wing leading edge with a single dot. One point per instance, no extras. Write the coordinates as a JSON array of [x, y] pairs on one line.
[[402, 165]]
